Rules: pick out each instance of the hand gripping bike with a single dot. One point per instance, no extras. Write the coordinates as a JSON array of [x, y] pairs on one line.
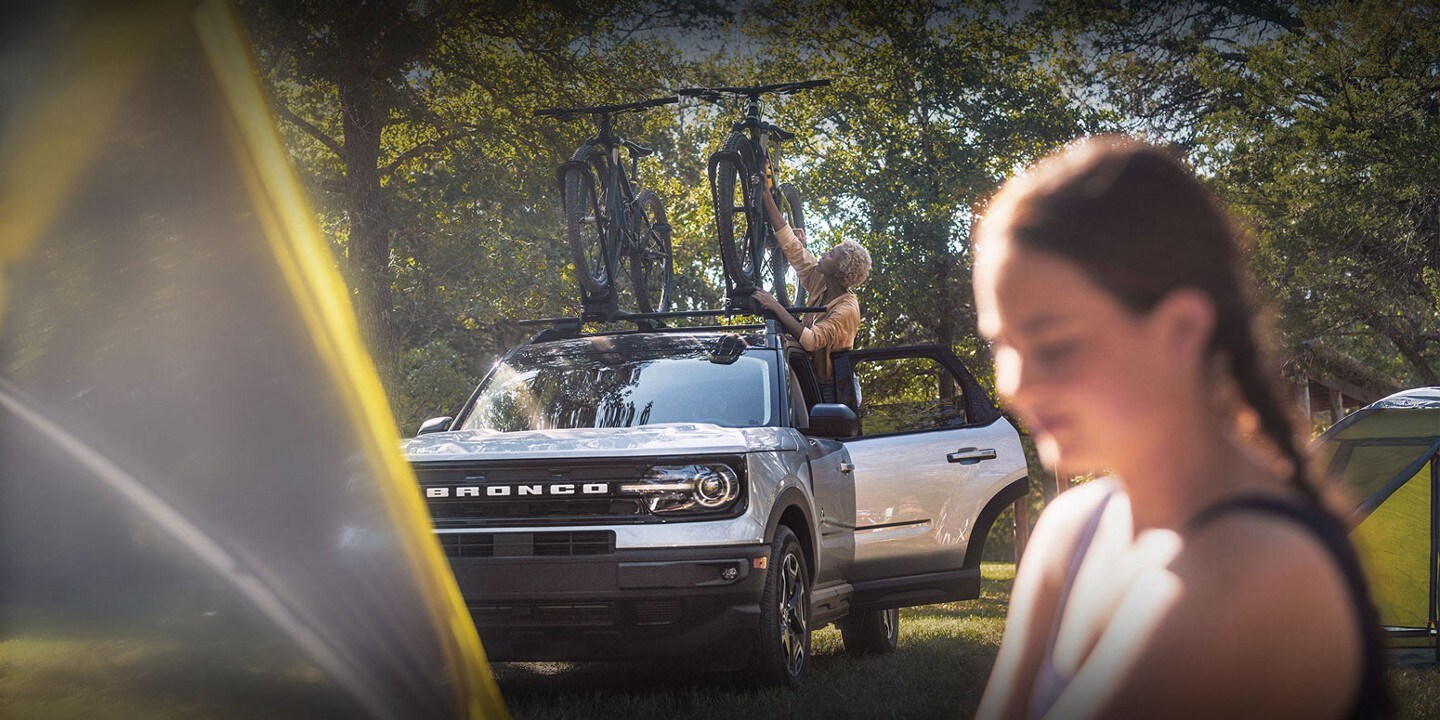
[[748, 249], [609, 218]]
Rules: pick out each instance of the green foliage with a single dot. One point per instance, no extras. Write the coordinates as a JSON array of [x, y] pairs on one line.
[[464, 202], [1319, 125], [930, 109], [435, 381], [1334, 147]]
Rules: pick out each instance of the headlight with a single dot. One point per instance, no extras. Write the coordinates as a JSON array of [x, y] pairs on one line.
[[681, 488]]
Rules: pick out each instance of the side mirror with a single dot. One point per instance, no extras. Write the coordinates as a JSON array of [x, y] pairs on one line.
[[833, 420], [435, 424]]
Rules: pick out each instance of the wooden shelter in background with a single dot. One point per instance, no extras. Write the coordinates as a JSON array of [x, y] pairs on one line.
[[1329, 384]]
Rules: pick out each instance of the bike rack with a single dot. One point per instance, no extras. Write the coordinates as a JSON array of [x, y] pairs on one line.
[[563, 328]]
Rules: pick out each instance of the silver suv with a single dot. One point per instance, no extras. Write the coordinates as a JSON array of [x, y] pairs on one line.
[[647, 495]]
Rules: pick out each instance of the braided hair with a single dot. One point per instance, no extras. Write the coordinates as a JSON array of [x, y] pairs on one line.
[[1140, 225]]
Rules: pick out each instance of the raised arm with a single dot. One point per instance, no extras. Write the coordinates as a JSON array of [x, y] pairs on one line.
[[791, 243]]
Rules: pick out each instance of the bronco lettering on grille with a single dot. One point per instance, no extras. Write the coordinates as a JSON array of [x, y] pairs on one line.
[[506, 491]]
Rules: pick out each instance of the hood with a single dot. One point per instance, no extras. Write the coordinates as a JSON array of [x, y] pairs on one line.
[[666, 439]]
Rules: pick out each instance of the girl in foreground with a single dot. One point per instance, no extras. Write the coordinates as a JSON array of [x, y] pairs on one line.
[[1202, 578]]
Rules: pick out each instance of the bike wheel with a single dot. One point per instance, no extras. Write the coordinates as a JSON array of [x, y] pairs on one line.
[[586, 227], [651, 265], [783, 275], [735, 219]]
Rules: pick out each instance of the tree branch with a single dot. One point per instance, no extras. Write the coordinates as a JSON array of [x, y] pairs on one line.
[[411, 154], [310, 129]]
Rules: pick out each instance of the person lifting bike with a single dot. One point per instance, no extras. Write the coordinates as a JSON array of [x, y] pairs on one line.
[[829, 282]]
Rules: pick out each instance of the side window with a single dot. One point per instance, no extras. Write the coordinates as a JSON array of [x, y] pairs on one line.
[[907, 394], [799, 408], [805, 374]]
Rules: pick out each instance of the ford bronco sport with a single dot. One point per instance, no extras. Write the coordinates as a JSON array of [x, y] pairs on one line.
[[685, 493]]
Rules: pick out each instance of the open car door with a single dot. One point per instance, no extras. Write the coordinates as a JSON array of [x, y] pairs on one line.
[[934, 464]]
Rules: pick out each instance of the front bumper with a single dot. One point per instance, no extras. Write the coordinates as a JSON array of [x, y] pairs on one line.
[[631, 604]]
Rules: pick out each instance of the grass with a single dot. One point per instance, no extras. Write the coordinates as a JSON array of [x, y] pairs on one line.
[[130, 665], [939, 671]]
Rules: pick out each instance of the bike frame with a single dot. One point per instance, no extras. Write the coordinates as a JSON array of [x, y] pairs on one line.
[[619, 194], [759, 134]]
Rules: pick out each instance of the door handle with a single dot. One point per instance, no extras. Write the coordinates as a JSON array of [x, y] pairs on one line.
[[970, 455]]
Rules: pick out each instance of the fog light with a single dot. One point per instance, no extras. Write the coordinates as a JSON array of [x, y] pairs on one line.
[[729, 573]]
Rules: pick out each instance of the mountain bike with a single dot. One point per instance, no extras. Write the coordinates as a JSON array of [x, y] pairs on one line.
[[748, 249], [610, 219]]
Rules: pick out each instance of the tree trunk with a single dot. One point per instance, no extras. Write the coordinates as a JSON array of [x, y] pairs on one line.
[[368, 253]]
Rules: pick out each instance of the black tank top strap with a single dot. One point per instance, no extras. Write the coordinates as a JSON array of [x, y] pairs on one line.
[[1374, 699]]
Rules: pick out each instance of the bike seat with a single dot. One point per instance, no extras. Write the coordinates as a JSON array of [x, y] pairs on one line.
[[778, 134], [636, 149]]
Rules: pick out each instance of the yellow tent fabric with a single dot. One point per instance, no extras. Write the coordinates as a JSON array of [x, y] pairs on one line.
[[1383, 457], [203, 508], [1395, 542]]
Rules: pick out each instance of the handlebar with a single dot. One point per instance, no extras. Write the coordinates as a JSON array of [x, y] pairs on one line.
[[566, 114], [752, 92]]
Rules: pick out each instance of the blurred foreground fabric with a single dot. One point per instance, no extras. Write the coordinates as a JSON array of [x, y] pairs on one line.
[[203, 508]]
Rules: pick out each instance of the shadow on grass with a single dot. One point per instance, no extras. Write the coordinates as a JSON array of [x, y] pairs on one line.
[[939, 670]]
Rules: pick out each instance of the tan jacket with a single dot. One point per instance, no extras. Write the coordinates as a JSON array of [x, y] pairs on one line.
[[833, 330]]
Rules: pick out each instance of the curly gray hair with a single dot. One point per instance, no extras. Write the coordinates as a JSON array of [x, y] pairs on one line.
[[852, 263]]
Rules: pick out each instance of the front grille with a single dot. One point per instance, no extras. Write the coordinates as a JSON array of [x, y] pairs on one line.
[[531, 614], [545, 544], [469, 545], [575, 543], [534, 503], [657, 612], [467, 509]]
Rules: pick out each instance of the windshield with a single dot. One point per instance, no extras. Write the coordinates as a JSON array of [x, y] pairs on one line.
[[593, 389]]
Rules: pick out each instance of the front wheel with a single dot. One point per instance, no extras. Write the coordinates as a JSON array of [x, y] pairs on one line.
[[651, 265], [586, 228], [874, 632], [782, 652], [780, 269], [736, 219]]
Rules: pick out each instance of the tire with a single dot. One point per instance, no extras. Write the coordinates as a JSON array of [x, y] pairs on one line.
[[873, 632], [794, 212], [782, 650], [586, 225], [651, 263], [734, 216]]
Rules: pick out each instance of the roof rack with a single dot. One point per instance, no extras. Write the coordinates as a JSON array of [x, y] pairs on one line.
[[571, 327]]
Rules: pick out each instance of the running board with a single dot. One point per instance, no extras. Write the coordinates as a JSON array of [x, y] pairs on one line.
[[911, 590], [829, 604]]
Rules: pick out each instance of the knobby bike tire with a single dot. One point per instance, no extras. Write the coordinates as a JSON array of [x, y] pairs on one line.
[[737, 244], [794, 213], [586, 226], [651, 263]]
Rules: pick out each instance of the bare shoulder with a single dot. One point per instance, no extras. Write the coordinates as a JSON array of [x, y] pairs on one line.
[[1263, 622], [1065, 516]]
